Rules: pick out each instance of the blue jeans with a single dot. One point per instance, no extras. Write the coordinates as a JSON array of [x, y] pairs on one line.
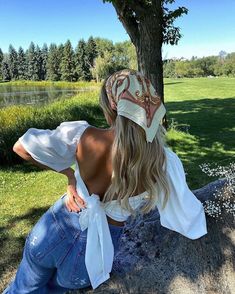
[[54, 254]]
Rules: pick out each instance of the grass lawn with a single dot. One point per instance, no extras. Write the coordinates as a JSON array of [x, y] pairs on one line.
[[201, 115], [204, 109]]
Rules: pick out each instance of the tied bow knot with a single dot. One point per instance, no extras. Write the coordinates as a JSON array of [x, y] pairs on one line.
[[90, 212]]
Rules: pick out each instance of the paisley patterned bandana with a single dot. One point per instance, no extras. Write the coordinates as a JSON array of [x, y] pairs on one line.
[[133, 96]]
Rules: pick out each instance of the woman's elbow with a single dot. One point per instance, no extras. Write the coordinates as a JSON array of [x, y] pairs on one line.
[[19, 149]]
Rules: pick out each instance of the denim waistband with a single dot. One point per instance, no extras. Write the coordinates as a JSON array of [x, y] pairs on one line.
[[116, 228]]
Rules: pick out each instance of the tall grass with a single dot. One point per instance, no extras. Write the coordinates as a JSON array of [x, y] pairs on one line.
[[15, 120], [59, 84]]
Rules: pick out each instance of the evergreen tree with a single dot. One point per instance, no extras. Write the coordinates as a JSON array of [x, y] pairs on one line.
[[60, 54], [32, 63], [13, 63], [1, 59], [39, 62], [53, 64], [91, 53], [44, 56], [82, 63], [67, 63], [6, 74], [22, 65]]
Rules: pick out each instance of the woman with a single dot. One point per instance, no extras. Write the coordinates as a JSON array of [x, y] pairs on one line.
[[118, 170]]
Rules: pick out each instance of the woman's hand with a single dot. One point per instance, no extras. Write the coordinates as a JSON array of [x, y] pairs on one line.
[[73, 201]]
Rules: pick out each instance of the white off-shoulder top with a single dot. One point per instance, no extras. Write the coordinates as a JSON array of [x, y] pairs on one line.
[[183, 213]]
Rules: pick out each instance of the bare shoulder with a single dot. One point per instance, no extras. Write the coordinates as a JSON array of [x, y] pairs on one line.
[[91, 143]]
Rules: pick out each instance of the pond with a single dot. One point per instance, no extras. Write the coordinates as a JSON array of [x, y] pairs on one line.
[[34, 95]]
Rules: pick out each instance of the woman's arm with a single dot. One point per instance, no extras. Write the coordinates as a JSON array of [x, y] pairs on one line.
[[71, 204], [19, 149]]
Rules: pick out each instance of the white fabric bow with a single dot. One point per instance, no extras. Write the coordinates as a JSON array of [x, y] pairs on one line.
[[99, 247]]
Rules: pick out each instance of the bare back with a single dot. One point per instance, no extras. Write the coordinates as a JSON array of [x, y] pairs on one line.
[[94, 158]]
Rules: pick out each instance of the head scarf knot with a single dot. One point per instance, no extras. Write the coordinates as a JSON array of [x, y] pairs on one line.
[[133, 96]]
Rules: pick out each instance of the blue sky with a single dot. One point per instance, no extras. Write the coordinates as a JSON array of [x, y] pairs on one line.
[[208, 28]]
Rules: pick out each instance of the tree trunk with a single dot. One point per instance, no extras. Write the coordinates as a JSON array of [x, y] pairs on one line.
[[147, 36], [149, 56]]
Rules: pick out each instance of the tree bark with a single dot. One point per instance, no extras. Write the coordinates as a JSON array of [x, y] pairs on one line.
[[149, 54], [146, 33]]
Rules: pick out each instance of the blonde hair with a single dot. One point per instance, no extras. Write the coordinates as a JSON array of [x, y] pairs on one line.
[[137, 164]]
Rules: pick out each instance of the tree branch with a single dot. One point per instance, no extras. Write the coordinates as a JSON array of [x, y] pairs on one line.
[[128, 19]]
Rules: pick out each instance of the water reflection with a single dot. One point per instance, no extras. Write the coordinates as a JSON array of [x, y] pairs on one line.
[[28, 95]]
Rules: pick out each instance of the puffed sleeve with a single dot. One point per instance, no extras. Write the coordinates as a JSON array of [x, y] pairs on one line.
[[54, 148], [183, 213]]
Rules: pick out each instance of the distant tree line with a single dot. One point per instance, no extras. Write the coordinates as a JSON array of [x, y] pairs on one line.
[[221, 65], [94, 59]]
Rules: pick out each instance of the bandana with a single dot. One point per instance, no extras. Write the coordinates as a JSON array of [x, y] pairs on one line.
[[133, 96]]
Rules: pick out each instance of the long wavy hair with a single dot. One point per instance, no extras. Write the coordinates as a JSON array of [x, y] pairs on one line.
[[137, 164]]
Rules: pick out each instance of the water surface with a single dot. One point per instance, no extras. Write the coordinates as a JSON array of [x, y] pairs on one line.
[[33, 95]]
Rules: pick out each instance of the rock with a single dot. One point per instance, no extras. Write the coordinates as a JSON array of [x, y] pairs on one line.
[[153, 259]]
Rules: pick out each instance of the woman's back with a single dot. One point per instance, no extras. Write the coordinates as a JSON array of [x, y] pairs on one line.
[[94, 158]]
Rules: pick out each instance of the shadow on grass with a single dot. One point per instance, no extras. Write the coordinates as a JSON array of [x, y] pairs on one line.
[[211, 120], [172, 83], [11, 246], [209, 139], [24, 167]]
